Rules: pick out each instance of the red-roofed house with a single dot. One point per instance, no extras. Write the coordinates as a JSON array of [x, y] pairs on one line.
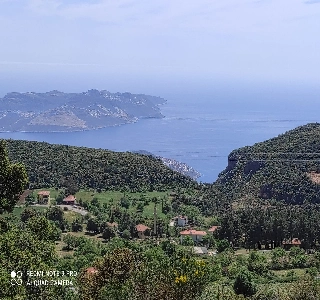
[[289, 244], [91, 270], [113, 225], [43, 197], [142, 230], [194, 234], [70, 200], [213, 229]]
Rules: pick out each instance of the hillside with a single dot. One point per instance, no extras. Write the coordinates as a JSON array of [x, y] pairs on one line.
[[174, 165], [283, 168], [58, 111], [50, 165]]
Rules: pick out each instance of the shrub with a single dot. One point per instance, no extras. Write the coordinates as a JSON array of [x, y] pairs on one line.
[[244, 284]]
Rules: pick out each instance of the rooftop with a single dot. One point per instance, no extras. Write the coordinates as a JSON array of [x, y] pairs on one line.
[[142, 228], [114, 224], [70, 198], [213, 228], [294, 241], [44, 193], [91, 270], [192, 232]]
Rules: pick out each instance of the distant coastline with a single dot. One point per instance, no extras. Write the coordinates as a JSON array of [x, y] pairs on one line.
[[57, 111]]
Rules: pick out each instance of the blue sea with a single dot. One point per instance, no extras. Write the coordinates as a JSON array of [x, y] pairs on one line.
[[202, 127]]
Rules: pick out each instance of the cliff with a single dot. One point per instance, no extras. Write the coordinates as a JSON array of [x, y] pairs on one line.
[[282, 168]]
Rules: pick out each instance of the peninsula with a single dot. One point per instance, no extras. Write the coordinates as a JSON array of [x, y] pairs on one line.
[[59, 112]]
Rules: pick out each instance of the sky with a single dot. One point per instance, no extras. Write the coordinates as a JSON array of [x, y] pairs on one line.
[[152, 45]]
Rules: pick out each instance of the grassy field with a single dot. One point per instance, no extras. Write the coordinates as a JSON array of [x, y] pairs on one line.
[[114, 197], [109, 196], [18, 211]]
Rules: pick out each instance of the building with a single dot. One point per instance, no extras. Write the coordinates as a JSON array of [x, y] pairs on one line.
[[182, 221], [200, 250], [143, 231], [194, 234], [43, 197], [91, 271], [113, 225], [213, 229], [70, 200], [287, 245]]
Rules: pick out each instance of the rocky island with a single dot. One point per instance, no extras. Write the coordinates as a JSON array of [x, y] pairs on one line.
[[59, 112]]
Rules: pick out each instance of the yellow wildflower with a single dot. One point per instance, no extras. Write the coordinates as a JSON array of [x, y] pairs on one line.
[[182, 279]]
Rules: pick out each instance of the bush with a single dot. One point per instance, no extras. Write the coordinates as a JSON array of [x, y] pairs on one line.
[[126, 234], [222, 245], [124, 202], [244, 284]]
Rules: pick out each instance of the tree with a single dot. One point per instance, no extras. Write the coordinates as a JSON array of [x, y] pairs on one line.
[[55, 214], [244, 284], [257, 263], [69, 240], [222, 245], [13, 179], [23, 251], [108, 233], [95, 202], [93, 225], [60, 197], [71, 186], [28, 213], [76, 225], [187, 241], [208, 240], [125, 202], [43, 229], [126, 234]]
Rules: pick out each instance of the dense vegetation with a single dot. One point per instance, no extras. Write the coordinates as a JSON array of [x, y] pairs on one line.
[[267, 197], [56, 165], [279, 168]]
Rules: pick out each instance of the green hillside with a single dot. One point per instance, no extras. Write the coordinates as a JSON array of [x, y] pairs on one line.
[[283, 168], [50, 165]]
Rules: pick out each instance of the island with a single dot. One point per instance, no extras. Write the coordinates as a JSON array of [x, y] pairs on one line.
[[57, 111]]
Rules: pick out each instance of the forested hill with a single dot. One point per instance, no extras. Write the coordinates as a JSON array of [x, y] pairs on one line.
[[51, 165], [284, 168]]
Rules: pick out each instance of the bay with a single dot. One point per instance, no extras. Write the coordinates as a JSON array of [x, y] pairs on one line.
[[200, 129]]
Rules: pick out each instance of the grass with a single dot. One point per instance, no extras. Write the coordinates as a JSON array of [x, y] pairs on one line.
[[60, 244], [17, 211], [114, 197], [297, 272], [70, 215], [108, 196]]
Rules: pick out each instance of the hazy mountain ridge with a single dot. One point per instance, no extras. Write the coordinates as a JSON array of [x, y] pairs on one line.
[[59, 111]]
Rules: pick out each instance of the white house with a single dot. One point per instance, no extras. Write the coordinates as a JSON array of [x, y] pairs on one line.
[[182, 221]]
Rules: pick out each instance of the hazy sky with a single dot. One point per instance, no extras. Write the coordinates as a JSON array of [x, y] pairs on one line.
[[96, 43]]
